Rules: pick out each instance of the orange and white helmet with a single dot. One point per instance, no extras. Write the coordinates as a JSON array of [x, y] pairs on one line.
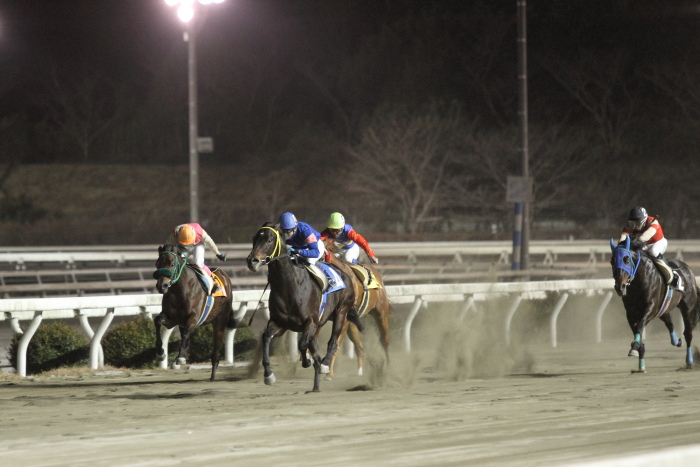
[[186, 234]]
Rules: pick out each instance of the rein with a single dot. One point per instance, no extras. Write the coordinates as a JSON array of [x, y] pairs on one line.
[[177, 270]]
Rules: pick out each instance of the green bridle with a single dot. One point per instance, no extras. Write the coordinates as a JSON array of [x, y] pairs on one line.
[[176, 271]]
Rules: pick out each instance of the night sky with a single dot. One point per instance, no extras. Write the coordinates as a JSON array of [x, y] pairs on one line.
[[297, 83]]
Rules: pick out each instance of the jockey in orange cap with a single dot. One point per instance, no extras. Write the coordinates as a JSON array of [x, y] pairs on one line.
[[194, 234]]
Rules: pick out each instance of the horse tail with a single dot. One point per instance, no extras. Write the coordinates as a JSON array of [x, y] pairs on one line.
[[354, 318]]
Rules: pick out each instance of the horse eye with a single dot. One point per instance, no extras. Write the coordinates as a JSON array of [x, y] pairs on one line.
[[627, 260]]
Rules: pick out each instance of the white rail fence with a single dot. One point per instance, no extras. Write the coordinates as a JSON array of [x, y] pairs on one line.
[[546, 252], [418, 296]]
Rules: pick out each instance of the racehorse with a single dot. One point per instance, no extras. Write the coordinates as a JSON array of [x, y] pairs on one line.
[[295, 301], [186, 304], [645, 296], [372, 301]]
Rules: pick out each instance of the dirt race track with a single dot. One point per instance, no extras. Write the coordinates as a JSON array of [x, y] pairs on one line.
[[555, 407]]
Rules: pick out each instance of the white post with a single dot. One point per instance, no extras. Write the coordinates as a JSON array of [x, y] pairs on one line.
[[407, 325], [599, 317], [553, 319], [509, 316], [95, 346], [24, 343]]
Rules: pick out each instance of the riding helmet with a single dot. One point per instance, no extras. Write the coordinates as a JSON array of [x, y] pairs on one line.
[[288, 221], [186, 235], [638, 213], [336, 221]]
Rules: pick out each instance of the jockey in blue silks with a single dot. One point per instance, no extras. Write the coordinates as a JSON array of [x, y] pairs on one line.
[[302, 239]]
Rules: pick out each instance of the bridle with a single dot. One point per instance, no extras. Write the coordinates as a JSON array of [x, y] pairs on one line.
[[631, 269], [277, 252], [174, 273]]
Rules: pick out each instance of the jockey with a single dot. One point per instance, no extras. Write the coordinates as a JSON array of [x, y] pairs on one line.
[[193, 234], [646, 229], [302, 239], [345, 237]]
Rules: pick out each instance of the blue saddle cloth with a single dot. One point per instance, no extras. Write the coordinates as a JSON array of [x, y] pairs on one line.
[[335, 283]]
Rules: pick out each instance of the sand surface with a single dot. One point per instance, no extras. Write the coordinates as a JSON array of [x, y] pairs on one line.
[[539, 406]]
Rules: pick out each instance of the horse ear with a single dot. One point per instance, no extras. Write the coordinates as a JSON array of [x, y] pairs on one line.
[[627, 242], [160, 249], [612, 244]]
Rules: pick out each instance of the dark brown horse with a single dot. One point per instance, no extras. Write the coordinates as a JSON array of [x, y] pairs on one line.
[[646, 296], [295, 301], [185, 303], [372, 301]]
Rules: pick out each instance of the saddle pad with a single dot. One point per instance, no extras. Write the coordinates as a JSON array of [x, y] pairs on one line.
[[368, 279], [667, 301], [222, 290], [208, 304], [335, 282]]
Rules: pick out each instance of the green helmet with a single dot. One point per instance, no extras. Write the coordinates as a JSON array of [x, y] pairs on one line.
[[336, 221]]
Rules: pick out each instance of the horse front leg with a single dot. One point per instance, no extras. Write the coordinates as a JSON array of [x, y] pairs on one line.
[[637, 346], [160, 353], [219, 326], [185, 333], [675, 341], [271, 331], [331, 372], [338, 324]]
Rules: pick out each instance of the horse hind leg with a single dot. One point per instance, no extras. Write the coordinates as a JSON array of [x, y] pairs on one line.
[[219, 327], [688, 334], [354, 335], [675, 341]]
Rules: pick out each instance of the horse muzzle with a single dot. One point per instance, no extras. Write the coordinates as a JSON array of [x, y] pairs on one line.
[[162, 286], [253, 263], [621, 290]]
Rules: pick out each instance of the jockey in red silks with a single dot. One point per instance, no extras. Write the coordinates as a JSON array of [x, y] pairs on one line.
[[347, 239], [647, 229]]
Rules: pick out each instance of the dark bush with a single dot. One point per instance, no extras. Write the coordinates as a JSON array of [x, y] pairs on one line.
[[202, 343], [54, 345], [131, 344]]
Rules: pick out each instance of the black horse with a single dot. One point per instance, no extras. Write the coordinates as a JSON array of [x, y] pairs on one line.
[[646, 296], [185, 303], [295, 301]]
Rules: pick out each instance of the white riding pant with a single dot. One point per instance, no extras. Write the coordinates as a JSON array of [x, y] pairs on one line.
[[321, 250], [657, 248], [351, 254]]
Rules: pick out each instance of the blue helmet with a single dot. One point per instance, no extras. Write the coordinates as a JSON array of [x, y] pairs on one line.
[[288, 221]]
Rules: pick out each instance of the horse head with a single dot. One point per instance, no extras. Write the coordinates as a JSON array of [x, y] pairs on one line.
[[623, 266], [169, 266], [267, 244]]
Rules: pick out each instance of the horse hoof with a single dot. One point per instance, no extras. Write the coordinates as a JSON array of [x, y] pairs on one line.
[[638, 371], [325, 369], [270, 379], [175, 366], [689, 366], [633, 353]]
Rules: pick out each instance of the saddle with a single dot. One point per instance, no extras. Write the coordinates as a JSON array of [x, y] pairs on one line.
[[207, 282], [666, 271]]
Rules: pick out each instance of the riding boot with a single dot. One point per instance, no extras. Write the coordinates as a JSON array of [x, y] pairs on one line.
[[677, 282]]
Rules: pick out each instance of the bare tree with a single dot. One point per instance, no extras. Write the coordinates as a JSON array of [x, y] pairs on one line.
[[561, 164], [601, 85], [81, 107], [402, 159], [679, 82]]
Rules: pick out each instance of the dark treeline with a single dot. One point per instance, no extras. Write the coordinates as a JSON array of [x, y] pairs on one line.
[[401, 113]]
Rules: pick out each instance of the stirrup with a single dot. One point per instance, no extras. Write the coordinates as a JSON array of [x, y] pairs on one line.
[[677, 282]]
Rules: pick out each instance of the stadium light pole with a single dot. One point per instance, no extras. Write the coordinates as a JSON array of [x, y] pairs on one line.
[[187, 12]]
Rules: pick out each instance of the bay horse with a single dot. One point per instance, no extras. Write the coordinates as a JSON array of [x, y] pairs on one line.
[[373, 301], [295, 301], [646, 296], [186, 304]]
